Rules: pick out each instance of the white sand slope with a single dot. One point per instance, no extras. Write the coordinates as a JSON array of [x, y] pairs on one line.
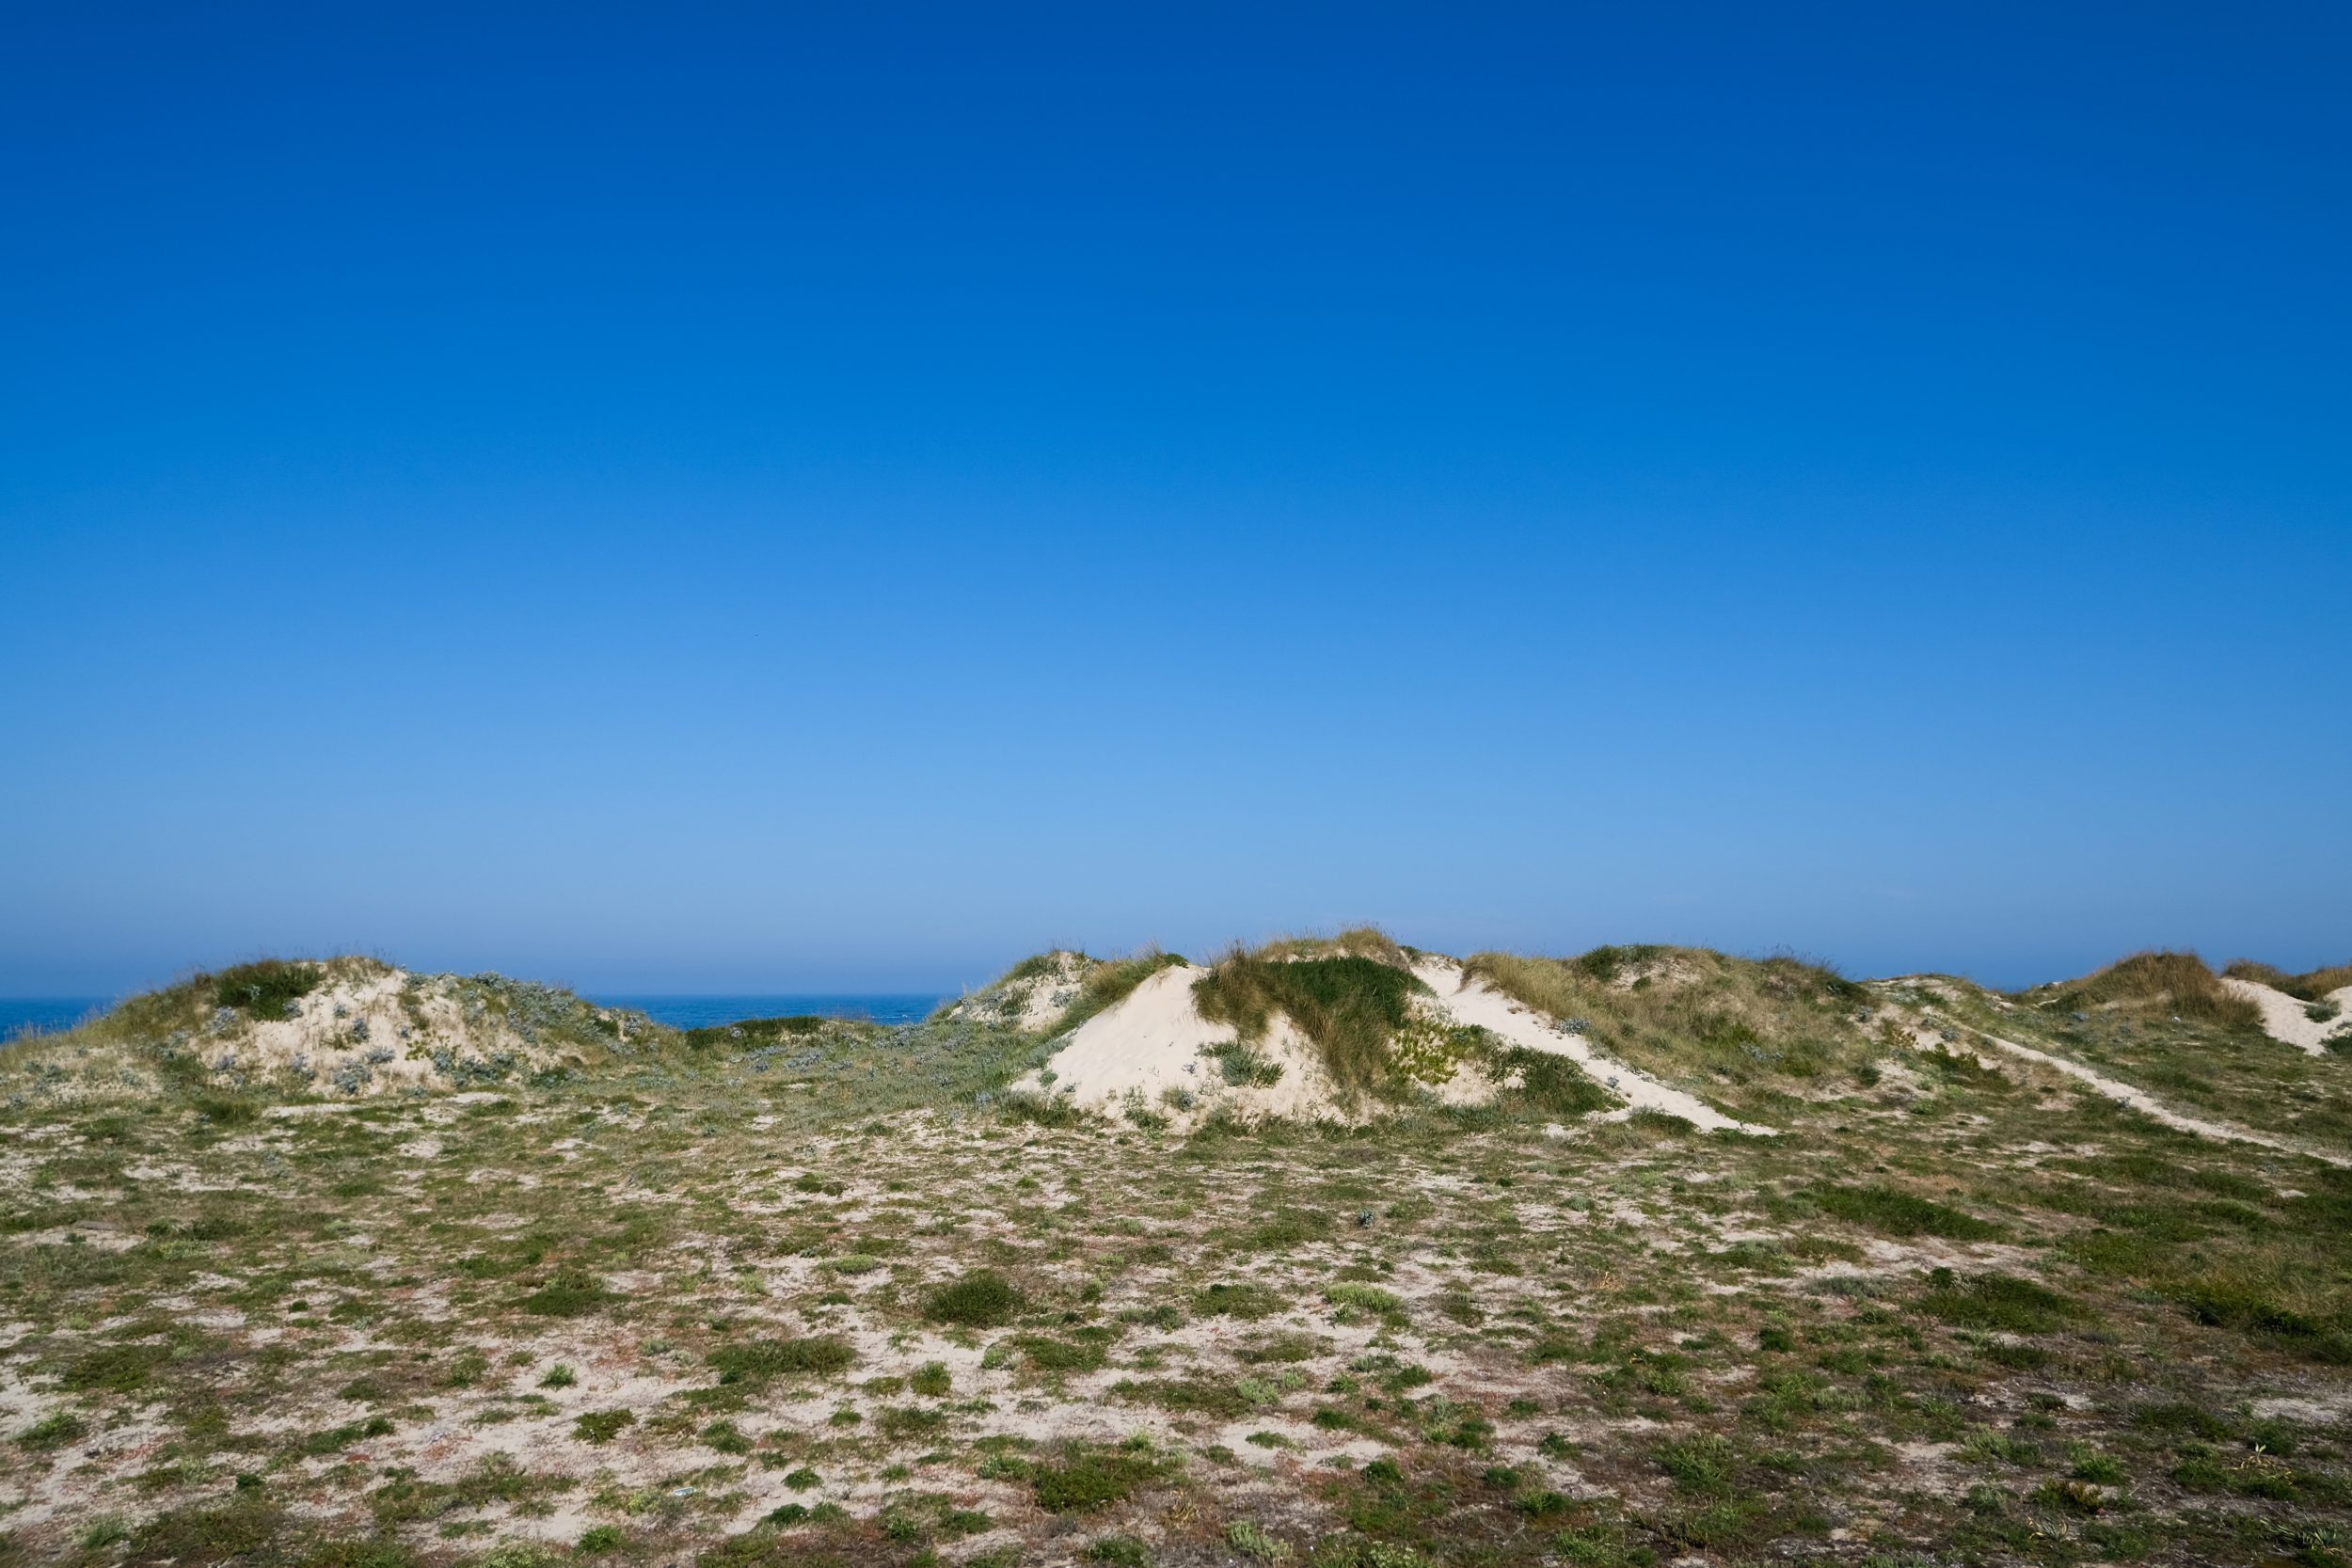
[[1153, 1041], [1477, 1004], [2282, 1015], [2147, 1105]]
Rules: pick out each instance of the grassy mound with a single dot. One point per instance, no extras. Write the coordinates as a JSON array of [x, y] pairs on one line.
[[2312, 986], [1691, 1012], [2178, 985], [278, 1029], [1358, 942]]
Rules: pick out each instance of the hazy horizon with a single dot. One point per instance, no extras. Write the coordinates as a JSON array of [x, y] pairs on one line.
[[819, 985]]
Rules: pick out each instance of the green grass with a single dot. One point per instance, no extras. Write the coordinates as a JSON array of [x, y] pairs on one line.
[[1900, 1214], [755, 1362], [2158, 983], [267, 988], [1626, 1345], [981, 1298], [570, 1294], [2310, 986], [1736, 1029], [1348, 1008], [1998, 1301], [1087, 1479], [602, 1426]]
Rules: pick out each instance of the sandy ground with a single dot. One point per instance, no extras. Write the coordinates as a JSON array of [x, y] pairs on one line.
[[1477, 1004], [2283, 1018]]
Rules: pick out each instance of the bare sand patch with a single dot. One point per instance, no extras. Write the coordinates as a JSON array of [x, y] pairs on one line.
[[2284, 1019]]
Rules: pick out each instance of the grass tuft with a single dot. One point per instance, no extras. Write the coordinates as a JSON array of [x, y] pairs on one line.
[[1349, 1007], [759, 1361], [980, 1299], [267, 988], [1900, 1214], [2175, 984]]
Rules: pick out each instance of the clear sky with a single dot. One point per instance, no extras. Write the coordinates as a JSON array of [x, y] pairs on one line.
[[679, 499]]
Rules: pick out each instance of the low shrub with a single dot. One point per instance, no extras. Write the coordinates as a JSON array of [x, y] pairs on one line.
[[980, 1299], [1900, 1214], [267, 988], [755, 1362]]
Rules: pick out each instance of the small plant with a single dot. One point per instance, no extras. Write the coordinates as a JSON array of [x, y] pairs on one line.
[[1243, 1068], [1092, 1478], [559, 1376], [104, 1532], [1900, 1214], [1997, 1301], [2089, 1463], [1245, 1302], [931, 1380], [52, 1431], [599, 1538], [1248, 1539], [570, 1294], [266, 990], [1366, 1298], [759, 1361], [979, 1299], [602, 1426]]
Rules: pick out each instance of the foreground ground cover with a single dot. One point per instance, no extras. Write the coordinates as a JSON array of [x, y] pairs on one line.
[[825, 1292]]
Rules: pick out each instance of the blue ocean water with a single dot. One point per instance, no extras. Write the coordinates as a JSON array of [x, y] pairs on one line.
[[701, 1012], [23, 1015]]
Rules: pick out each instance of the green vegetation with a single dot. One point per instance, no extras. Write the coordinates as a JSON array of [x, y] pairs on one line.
[[1085, 1479], [760, 1361], [1349, 1007], [1901, 1214], [820, 1275], [981, 1298], [267, 988], [1110, 982], [571, 1293], [2312, 986], [1745, 1031], [1998, 1301], [2175, 984]]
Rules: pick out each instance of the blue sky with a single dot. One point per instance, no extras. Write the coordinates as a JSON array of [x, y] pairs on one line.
[[706, 499]]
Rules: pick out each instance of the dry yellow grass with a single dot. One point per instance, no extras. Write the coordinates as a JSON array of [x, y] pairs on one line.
[[2177, 984]]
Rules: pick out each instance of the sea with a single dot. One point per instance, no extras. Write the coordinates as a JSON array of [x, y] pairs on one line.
[[28, 1015], [41, 1015]]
